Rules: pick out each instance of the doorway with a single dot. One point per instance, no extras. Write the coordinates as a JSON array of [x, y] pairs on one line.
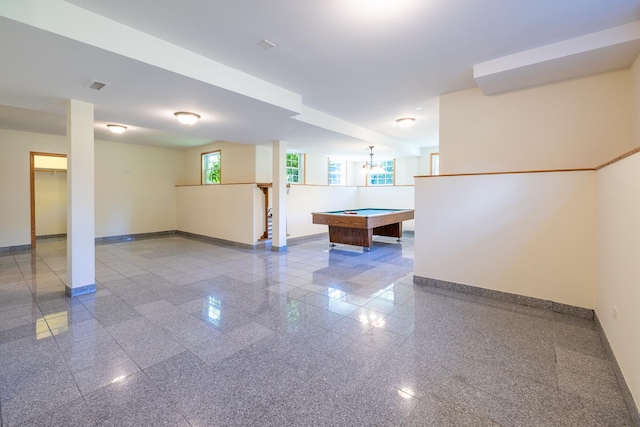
[[48, 195]]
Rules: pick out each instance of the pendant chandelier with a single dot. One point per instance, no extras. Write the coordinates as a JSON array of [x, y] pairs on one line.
[[369, 166]]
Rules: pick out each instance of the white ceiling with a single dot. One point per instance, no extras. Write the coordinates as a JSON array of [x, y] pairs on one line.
[[340, 74]]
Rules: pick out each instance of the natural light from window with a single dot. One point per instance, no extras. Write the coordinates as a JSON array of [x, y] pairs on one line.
[[211, 168]]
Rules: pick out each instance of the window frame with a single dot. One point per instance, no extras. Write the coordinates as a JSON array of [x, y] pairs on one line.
[[431, 163], [392, 173], [301, 168], [343, 172], [203, 170]]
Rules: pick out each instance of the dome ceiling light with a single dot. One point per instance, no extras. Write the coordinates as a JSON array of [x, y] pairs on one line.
[[186, 118]]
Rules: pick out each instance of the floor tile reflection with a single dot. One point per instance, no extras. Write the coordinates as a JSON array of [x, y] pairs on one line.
[[181, 332]]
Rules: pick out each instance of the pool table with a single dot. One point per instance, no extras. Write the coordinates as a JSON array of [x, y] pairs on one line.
[[357, 226]]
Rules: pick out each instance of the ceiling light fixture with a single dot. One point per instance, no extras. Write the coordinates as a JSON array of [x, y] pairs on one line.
[[371, 167], [267, 44], [117, 128], [405, 122], [186, 118]]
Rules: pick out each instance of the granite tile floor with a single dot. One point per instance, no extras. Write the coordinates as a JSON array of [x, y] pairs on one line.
[[186, 333]]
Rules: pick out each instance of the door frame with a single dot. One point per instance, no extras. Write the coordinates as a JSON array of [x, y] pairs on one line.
[[32, 189]]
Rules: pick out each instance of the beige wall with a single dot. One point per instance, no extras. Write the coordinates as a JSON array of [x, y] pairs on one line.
[[578, 123], [264, 164], [50, 190], [15, 223], [227, 212], [527, 234], [51, 202], [135, 188], [635, 103], [618, 267], [237, 163], [50, 162]]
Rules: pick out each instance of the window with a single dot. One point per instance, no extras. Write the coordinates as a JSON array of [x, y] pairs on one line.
[[211, 167], [337, 172], [383, 178], [295, 168], [435, 163]]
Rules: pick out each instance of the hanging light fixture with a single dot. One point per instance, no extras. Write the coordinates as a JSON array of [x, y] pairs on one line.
[[116, 128], [186, 118], [369, 166], [405, 122]]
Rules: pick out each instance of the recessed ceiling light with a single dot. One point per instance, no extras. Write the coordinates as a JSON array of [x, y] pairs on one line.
[[117, 128], [405, 122], [186, 118]]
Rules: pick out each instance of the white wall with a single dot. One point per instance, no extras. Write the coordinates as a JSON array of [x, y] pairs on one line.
[[424, 161], [316, 170], [51, 202], [135, 188], [389, 197], [618, 266], [527, 234], [579, 123], [305, 199], [225, 212], [405, 169], [355, 176]]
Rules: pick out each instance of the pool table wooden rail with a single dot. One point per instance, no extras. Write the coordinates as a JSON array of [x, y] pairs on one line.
[[358, 230]]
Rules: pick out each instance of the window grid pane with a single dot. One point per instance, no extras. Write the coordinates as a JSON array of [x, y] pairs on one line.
[[211, 168], [384, 178], [335, 173], [294, 168]]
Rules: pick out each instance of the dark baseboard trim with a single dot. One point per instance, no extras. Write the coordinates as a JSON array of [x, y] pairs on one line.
[[15, 248], [278, 248], [305, 239], [624, 388], [206, 239], [131, 237], [264, 244], [51, 237], [584, 313], [80, 290]]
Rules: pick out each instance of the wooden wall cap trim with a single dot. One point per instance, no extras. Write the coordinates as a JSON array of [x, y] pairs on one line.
[[215, 185], [505, 173], [610, 162], [617, 159]]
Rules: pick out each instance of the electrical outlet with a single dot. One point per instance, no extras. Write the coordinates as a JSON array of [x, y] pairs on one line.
[[615, 312]]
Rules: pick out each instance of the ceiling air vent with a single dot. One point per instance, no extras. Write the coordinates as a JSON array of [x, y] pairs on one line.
[[96, 85]]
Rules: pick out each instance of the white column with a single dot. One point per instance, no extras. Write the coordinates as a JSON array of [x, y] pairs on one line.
[[279, 204], [81, 250]]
